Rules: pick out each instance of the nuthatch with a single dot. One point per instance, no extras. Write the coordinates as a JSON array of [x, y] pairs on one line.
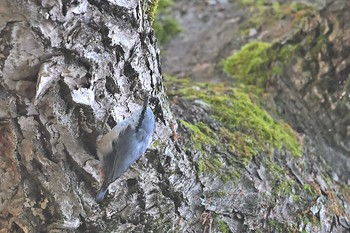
[[124, 144]]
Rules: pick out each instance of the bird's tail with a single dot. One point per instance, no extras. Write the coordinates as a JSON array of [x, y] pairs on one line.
[[101, 194]]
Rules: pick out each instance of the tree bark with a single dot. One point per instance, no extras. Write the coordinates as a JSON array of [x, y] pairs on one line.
[[66, 67]]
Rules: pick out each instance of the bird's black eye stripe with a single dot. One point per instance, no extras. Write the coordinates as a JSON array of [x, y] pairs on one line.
[[142, 116]]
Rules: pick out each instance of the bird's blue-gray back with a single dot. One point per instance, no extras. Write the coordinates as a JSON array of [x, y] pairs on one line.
[[119, 160], [125, 144]]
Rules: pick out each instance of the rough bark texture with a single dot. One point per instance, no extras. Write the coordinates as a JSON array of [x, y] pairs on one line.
[[65, 66], [317, 79]]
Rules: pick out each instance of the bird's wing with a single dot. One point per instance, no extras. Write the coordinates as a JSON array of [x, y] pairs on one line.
[[123, 149], [141, 135]]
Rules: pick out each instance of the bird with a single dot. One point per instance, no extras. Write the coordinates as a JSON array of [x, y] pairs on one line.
[[124, 144]]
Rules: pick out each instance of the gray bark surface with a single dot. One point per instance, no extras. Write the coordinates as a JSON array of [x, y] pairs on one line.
[[66, 66]]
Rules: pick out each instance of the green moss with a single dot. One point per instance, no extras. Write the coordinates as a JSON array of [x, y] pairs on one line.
[[284, 186], [247, 65], [209, 164], [309, 218], [201, 134], [257, 62], [165, 27], [201, 166], [276, 6], [310, 190], [152, 9], [220, 194], [253, 127], [296, 6], [253, 2], [157, 143], [284, 53], [164, 5], [223, 227], [279, 227], [232, 175], [245, 128]]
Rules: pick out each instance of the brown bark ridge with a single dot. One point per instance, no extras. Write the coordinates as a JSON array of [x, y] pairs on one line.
[[65, 67]]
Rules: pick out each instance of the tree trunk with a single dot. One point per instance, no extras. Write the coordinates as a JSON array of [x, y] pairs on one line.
[[66, 67]]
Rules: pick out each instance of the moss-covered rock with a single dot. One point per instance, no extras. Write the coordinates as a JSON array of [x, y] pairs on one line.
[[248, 65], [242, 127], [258, 62]]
